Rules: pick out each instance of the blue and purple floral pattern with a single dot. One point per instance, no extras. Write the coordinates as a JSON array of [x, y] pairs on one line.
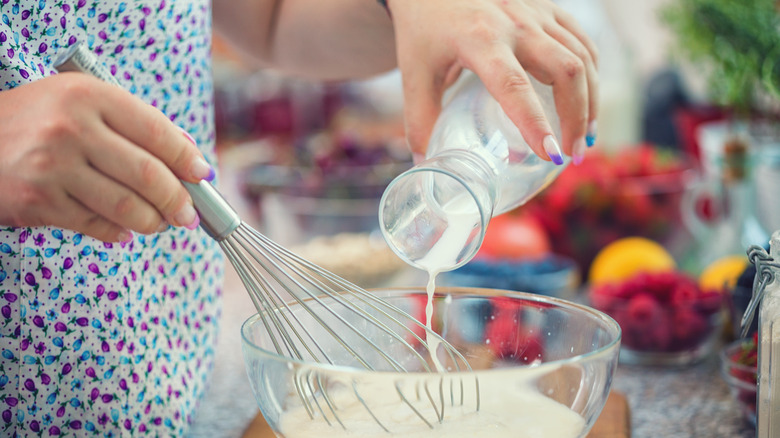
[[97, 338]]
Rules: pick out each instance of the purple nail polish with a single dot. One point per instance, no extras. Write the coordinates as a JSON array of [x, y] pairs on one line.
[[194, 223]]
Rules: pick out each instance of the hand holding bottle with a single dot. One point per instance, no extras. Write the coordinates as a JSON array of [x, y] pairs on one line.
[[502, 41]]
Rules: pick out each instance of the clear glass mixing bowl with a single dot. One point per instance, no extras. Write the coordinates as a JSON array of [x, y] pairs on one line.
[[543, 367]]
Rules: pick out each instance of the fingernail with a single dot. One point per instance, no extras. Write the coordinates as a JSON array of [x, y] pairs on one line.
[[590, 137], [202, 170], [552, 149], [578, 151], [187, 217], [162, 227], [189, 137], [125, 236], [417, 158]]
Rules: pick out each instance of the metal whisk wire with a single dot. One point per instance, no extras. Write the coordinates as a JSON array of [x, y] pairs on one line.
[[267, 270]]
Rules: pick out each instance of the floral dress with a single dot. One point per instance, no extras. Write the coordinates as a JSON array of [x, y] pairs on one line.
[[96, 338]]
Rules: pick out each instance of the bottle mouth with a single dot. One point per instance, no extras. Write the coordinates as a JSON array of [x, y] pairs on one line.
[[434, 216]]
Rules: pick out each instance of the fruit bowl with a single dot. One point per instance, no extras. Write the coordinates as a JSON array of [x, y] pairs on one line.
[[738, 366], [666, 319], [543, 367]]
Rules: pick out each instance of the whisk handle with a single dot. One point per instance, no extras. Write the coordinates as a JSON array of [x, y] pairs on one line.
[[217, 217]]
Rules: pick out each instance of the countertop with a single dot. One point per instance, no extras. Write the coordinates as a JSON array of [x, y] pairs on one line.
[[664, 402]]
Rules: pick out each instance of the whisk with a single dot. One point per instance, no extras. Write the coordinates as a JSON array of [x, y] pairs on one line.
[[348, 321]]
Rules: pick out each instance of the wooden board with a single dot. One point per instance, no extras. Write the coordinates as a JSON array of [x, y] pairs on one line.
[[614, 421]]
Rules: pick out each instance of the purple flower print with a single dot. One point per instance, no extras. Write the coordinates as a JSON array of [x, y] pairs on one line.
[[6, 311], [35, 426], [54, 431], [46, 19], [60, 327], [29, 278], [95, 392], [60, 411], [24, 344], [38, 321], [75, 424], [105, 347], [80, 4], [82, 321], [118, 49], [3, 38], [162, 6], [23, 236], [141, 428], [10, 53], [25, 14], [158, 77], [45, 379], [113, 70], [65, 307], [10, 297], [64, 22], [72, 40], [100, 290], [29, 385], [107, 398], [102, 35], [93, 268], [112, 295], [90, 372], [102, 18], [39, 240], [66, 369], [65, 8], [23, 73], [11, 401], [103, 419], [128, 424], [40, 348], [67, 263], [126, 21], [25, 32], [46, 272]]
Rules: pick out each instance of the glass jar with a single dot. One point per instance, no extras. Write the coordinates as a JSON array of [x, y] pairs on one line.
[[477, 165]]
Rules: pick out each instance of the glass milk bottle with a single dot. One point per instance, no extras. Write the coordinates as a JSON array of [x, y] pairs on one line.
[[477, 165]]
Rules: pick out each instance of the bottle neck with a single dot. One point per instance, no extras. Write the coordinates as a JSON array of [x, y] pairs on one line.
[[434, 216]]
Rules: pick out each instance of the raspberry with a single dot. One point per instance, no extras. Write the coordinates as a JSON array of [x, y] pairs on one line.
[[689, 327], [684, 294], [644, 311]]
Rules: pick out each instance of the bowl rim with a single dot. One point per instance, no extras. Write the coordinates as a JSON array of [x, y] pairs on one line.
[[609, 323]]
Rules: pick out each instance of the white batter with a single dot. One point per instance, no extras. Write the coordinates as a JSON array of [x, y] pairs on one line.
[[511, 407]]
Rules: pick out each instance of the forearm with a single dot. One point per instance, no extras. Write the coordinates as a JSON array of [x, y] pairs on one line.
[[322, 39]]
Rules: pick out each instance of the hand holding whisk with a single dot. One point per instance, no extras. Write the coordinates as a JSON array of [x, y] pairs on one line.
[[336, 316]]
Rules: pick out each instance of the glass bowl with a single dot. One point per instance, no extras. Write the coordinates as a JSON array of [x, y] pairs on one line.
[[740, 378], [542, 366]]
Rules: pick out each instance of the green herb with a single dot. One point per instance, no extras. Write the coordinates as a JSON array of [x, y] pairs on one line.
[[737, 41]]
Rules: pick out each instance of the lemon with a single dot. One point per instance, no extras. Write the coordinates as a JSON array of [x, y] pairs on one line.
[[723, 273], [628, 256]]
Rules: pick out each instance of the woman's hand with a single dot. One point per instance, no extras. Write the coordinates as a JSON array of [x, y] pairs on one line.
[[502, 41], [81, 154]]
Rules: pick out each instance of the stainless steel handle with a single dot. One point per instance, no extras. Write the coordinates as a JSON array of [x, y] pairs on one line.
[[217, 217]]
